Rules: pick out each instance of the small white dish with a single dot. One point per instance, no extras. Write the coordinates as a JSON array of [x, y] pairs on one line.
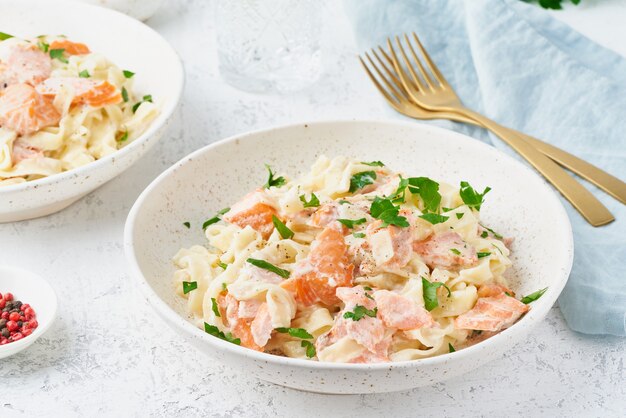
[[29, 288], [129, 44], [520, 205]]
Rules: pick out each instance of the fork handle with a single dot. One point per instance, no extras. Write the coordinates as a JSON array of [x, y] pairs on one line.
[[586, 203]]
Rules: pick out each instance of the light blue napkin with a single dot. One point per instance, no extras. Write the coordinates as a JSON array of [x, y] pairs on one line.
[[526, 70]]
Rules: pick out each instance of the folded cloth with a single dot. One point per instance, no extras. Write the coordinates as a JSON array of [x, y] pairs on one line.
[[515, 63]]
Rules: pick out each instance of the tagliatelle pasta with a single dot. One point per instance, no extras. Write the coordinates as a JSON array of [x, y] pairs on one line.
[[353, 263], [63, 106]]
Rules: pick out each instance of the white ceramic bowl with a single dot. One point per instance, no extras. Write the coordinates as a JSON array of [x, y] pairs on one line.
[[125, 41], [520, 205], [32, 289]]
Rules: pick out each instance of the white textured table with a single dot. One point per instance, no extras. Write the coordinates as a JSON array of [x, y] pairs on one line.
[[109, 355]]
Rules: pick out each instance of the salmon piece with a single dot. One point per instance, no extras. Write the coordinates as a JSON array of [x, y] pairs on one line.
[[493, 289], [22, 151], [239, 327], [352, 296], [252, 211], [401, 240], [446, 250], [249, 308], [397, 311], [26, 64], [325, 215], [326, 267], [261, 326], [70, 48], [380, 354], [493, 313], [86, 91], [25, 111]]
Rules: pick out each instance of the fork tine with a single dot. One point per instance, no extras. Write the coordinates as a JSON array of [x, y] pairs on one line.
[[389, 72], [431, 65], [418, 61], [380, 88], [416, 78], [390, 62], [398, 94], [400, 71]]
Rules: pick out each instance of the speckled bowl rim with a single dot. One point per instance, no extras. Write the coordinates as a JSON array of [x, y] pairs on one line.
[[523, 326], [164, 113]]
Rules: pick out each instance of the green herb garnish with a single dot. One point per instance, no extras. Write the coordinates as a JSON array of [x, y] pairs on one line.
[[189, 286], [5, 36], [124, 137], [58, 54], [43, 46], [271, 181], [344, 202], [124, 94], [215, 331], [484, 234], [450, 348], [313, 203], [459, 215], [367, 288], [214, 307], [187, 224], [351, 223], [85, 74], [224, 286], [269, 266], [215, 219], [494, 233], [310, 348], [373, 163], [455, 251], [359, 235], [295, 332], [399, 195], [128, 74], [359, 312], [430, 293], [360, 180], [222, 265], [386, 211], [533, 296], [553, 4], [146, 98], [284, 232], [483, 254], [433, 218], [428, 191], [471, 197]]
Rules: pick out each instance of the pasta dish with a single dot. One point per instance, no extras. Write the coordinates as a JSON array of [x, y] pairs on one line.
[[352, 262], [62, 106]]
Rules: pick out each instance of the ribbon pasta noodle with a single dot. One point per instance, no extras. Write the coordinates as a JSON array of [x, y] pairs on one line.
[[352, 262]]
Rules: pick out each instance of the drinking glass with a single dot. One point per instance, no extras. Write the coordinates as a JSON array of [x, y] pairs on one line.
[[269, 45]]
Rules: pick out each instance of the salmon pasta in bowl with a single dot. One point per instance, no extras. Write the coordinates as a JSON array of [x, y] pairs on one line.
[[352, 262], [63, 106]]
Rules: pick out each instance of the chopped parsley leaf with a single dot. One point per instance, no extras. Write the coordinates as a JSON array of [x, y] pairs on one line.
[[359, 312], [146, 98], [367, 295], [386, 211], [222, 265], [360, 180], [433, 218], [84, 74], [296, 332], [359, 235], [494, 233], [214, 219], [447, 209], [224, 286], [344, 202], [124, 94], [399, 195], [351, 223], [450, 348], [215, 308], [310, 348], [284, 232], [533, 296], [508, 294], [128, 74], [187, 224], [215, 331], [459, 215], [484, 234], [5, 36], [43, 46], [483, 254], [367, 288], [58, 54], [428, 191], [430, 293], [271, 181], [189, 286], [471, 197], [373, 163], [313, 203], [455, 251], [269, 266]]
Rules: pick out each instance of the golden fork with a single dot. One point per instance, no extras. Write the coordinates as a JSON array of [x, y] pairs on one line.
[[605, 181], [435, 94]]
